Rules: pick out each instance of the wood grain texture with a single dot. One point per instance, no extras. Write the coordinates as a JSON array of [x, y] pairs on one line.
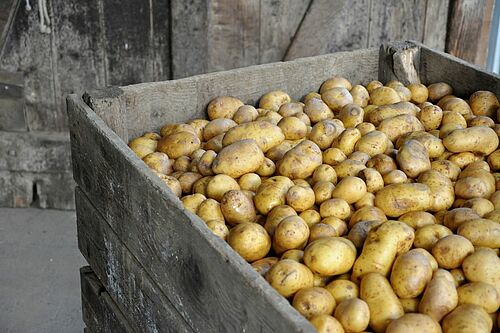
[[149, 106], [462, 76], [393, 20], [161, 235], [469, 29], [12, 115], [22, 189], [436, 19], [100, 312], [399, 61], [129, 286], [332, 26], [35, 152]]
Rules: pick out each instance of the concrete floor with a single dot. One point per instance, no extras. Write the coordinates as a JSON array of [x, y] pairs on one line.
[[39, 278]]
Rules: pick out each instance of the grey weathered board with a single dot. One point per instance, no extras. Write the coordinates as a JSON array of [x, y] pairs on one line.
[[136, 235], [100, 312]]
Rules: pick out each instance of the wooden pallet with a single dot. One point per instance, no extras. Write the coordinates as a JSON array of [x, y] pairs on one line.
[[159, 263]]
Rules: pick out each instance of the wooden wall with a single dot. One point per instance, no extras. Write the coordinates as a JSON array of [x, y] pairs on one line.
[[97, 43]]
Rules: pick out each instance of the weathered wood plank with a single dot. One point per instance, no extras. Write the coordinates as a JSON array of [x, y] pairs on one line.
[[279, 23], [8, 10], [332, 26], [469, 30], [100, 312], [393, 20], [78, 50], [35, 151], [149, 106], [436, 19], [160, 26], [36, 189], [399, 61], [129, 286], [12, 115], [189, 37], [462, 76], [28, 50], [162, 235]]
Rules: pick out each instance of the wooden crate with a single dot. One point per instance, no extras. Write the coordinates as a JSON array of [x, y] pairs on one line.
[[160, 264]]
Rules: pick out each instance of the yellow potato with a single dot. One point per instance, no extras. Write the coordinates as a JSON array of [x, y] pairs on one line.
[[413, 158], [446, 168], [468, 318], [440, 296], [330, 256], [417, 219], [349, 168], [481, 232], [457, 216], [209, 210], [187, 180], [323, 191], [398, 199], [484, 103], [336, 207], [441, 188], [291, 233], [173, 184], [400, 125], [276, 215], [219, 228], [384, 95], [217, 127], [159, 162], [273, 100], [431, 116], [245, 114], [218, 185], [193, 201], [272, 193], [325, 173], [291, 109], [317, 110], [264, 133], [410, 274], [479, 293], [214, 143], [383, 303], [481, 121], [360, 96], [343, 290], [300, 198], [368, 213], [321, 230], [178, 144], [479, 139], [288, 276], [376, 116], [237, 208], [410, 305], [300, 161], [204, 164], [351, 115], [351, 189], [415, 323], [432, 144], [169, 129], [223, 107], [293, 254], [419, 92], [365, 128], [439, 90], [483, 266], [353, 314], [326, 324], [324, 132], [358, 233], [373, 85], [336, 98], [293, 128], [372, 143], [249, 182], [313, 301], [250, 240], [335, 82], [450, 251], [152, 135], [267, 168], [262, 266], [238, 158], [311, 217], [333, 156]]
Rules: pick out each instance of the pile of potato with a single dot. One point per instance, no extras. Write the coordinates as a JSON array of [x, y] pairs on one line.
[[370, 208]]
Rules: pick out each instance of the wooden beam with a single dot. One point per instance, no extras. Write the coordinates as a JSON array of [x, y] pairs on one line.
[[469, 30]]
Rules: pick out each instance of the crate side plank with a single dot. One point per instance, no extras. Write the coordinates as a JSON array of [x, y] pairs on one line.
[[149, 105], [161, 234], [138, 298], [100, 313], [465, 78]]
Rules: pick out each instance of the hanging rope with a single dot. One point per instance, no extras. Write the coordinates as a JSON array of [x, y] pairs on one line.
[[43, 13]]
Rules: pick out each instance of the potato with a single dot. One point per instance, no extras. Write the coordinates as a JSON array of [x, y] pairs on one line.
[[218, 185], [159, 162], [368, 213], [249, 182], [450, 251], [273, 100], [383, 303], [483, 266], [209, 210], [372, 85], [349, 168], [288, 276], [219, 228], [440, 296], [267, 168], [398, 199], [313, 301], [237, 208], [384, 95], [311, 217], [336, 207], [410, 305], [276, 215], [343, 290], [324, 132], [346, 141], [337, 224], [417, 219], [323, 191], [152, 135], [400, 125], [351, 189], [414, 322], [376, 116], [442, 192], [336, 98], [330, 256], [335, 82], [169, 129], [439, 90], [300, 161], [479, 293], [317, 110], [250, 240], [481, 232], [419, 92], [358, 233], [467, 318], [365, 128], [272, 193], [293, 254], [494, 160], [245, 114], [333, 156], [179, 144], [214, 143], [413, 158], [453, 117], [455, 217], [291, 233], [372, 178], [238, 158], [193, 201], [446, 168], [353, 314], [410, 274], [481, 121], [321, 230], [484, 103], [479, 139], [326, 324], [223, 107], [324, 173], [291, 109], [264, 133], [351, 115], [293, 128], [372, 143], [187, 179], [173, 184], [262, 266], [432, 144], [427, 236], [360, 96], [431, 116]]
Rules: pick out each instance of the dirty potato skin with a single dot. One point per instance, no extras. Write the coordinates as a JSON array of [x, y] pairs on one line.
[[288, 276], [250, 240], [315, 301]]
